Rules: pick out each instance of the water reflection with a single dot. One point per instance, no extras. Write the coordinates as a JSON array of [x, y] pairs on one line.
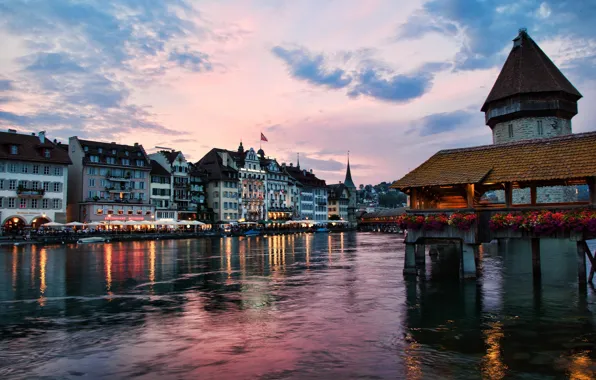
[[303, 306]]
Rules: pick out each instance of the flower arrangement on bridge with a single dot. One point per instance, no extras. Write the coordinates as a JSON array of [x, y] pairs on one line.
[[435, 222], [546, 222], [462, 221], [410, 221]]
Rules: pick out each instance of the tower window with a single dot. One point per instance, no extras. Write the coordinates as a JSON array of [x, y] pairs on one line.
[[540, 130], [510, 130]]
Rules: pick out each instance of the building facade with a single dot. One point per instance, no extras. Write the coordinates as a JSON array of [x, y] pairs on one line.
[[252, 191], [161, 192], [279, 205], [108, 181], [33, 181], [339, 200], [222, 176], [313, 193]]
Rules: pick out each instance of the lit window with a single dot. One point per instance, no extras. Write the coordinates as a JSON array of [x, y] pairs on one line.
[[14, 149]]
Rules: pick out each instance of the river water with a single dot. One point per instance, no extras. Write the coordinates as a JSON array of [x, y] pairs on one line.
[[287, 307]]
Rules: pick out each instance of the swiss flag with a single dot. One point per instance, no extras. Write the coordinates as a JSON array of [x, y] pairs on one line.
[[263, 138]]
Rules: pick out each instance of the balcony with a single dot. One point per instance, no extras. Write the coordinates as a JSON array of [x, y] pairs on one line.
[[119, 189], [109, 200], [30, 193], [117, 179]]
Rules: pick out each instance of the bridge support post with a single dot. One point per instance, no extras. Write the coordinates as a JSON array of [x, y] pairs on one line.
[[433, 250], [469, 259], [536, 269], [410, 260], [581, 264], [420, 259]]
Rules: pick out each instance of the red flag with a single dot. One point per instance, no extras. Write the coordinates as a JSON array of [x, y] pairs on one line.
[[263, 138]]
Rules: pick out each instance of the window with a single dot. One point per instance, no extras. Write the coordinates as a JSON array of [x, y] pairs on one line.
[[14, 149], [99, 150], [111, 160], [86, 148], [12, 202], [25, 169], [44, 203], [56, 203], [12, 184], [540, 130], [129, 212], [46, 186], [57, 170], [1, 184], [35, 185], [12, 168], [113, 151], [91, 182], [94, 158], [125, 161], [140, 163], [46, 170], [35, 169], [99, 211], [126, 153], [57, 187], [23, 203], [510, 130], [2, 167], [46, 153], [34, 203]]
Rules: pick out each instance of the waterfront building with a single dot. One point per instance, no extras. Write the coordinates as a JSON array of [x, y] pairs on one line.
[[198, 195], [293, 198], [33, 180], [181, 205], [108, 181], [531, 99], [279, 204], [313, 195], [253, 179], [161, 192], [222, 177], [339, 199]]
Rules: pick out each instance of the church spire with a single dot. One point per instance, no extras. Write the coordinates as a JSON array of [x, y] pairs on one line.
[[348, 181], [298, 163]]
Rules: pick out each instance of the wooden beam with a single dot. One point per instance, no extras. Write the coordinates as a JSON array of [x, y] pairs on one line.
[[414, 199], [533, 195], [470, 195], [508, 194], [592, 187]]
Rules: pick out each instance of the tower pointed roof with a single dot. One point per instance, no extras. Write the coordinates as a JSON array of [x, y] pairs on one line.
[[348, 181], [528, 70]]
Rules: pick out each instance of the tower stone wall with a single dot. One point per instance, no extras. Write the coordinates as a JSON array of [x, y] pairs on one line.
[[531, 128]]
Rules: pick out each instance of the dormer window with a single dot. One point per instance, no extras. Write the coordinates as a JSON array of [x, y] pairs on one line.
[[113, 151], [99, 150], [139, 154], [94, 158], [86, 148], [126, 153], [14, 149], [46, 153]]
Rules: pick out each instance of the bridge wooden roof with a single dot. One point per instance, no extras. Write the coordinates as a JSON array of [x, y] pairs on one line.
[[556, 158]]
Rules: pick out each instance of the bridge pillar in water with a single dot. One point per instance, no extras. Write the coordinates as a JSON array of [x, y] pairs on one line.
[[581, 264], [410, 260], [420, 259], [469, 260]]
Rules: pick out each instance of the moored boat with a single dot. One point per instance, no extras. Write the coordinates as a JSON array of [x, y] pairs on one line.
[[94, 239]]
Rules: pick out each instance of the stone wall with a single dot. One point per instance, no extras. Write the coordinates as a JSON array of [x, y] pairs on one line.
[[549, 194], [527, 128]]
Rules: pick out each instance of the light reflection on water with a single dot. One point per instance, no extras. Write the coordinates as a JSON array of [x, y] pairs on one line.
[[303, 306]]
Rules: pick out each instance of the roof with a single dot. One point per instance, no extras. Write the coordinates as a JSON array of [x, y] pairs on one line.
[[348, 181], [30, 148], [213, 164], [335, 191], [135, 152], [305, 177], [556, 158], [528, 70], [170, 155], [392, 212], [157, 169]]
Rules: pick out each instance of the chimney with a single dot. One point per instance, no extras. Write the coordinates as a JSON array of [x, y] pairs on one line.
[[291, 164], [42, 137], [136, 144], [310, 171], [113, 143], [12, 131]]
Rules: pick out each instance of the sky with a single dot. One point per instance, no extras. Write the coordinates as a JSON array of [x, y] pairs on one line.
[[392, 82]]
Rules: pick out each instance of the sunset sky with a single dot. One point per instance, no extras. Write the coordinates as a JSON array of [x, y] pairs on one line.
[[390, 81]]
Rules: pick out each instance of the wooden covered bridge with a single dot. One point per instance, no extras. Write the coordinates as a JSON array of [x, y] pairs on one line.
[[489, 184]]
